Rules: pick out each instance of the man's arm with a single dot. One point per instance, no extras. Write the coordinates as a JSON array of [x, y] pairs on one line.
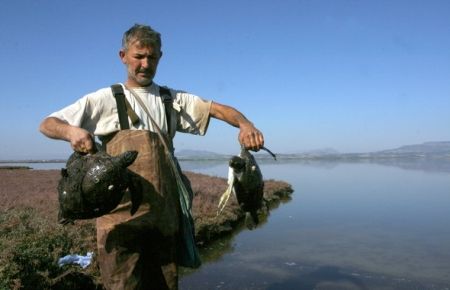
[[80, 139], [249, 136]]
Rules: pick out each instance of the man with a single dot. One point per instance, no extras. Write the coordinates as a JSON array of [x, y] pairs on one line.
[[140, 251]]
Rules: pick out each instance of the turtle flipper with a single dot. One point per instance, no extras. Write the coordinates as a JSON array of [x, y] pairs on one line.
[[136, 194]]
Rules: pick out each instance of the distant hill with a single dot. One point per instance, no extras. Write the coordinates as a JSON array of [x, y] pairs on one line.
[[424, 148], [199, 154], [430, 150]]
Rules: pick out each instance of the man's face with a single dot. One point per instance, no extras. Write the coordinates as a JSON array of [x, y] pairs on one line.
[[141, 62]]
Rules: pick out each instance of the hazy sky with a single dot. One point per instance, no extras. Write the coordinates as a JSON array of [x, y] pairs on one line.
[[355, 76]]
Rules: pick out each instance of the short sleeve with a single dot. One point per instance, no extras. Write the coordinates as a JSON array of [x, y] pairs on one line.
[[72, 114], [95, 112], [193, 113]]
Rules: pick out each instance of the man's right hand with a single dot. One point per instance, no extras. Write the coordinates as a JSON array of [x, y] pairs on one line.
[[80, 139]]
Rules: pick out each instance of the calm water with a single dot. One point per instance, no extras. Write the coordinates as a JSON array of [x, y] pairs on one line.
[[37, 165], [348, 226]]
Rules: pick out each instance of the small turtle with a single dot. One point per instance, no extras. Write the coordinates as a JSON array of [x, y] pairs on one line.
[[94, 184], [246, 181]]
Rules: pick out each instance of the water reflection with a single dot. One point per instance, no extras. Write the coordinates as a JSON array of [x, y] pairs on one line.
[[427, 165], [215, 250], [421, 164], [330, 277]]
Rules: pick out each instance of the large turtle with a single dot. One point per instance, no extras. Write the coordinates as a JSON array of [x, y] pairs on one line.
[[92, 185]]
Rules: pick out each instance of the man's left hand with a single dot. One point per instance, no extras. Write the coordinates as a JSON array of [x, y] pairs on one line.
[[250, 137]]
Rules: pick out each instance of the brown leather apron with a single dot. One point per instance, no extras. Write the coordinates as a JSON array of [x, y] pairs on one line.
[[140, 251]]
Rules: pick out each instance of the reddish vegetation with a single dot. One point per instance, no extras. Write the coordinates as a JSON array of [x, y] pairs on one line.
[[29, 188], [37, 189]]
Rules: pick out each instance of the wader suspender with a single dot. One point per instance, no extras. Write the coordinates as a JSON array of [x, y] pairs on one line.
[[164, 92], [122, 103], [118, 93]]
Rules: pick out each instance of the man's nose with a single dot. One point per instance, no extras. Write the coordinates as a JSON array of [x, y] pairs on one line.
[[145, 62]]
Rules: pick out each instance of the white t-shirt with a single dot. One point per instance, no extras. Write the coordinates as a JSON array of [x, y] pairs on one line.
[[97, 111]]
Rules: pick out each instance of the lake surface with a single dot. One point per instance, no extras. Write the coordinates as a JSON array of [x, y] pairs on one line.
[[347, 226], [36, 165]]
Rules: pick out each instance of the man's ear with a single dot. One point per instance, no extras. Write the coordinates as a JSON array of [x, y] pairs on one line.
[[122, 56]]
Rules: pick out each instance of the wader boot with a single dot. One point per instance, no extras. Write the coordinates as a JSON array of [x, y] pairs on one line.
[[140, 251]]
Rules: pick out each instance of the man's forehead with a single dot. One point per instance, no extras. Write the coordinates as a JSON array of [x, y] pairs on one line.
[[143, 45]]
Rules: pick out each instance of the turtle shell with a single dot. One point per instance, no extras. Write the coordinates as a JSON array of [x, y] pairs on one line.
[[92, 185]]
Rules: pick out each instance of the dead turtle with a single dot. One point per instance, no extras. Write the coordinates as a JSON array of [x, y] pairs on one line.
[[94, 184], [246, 181]]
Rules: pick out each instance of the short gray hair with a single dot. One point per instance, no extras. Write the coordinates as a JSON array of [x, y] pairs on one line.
[[146, 35]]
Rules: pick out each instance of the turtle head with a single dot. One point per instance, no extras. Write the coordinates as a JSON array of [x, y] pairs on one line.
[[126, 159], [237, 163]]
